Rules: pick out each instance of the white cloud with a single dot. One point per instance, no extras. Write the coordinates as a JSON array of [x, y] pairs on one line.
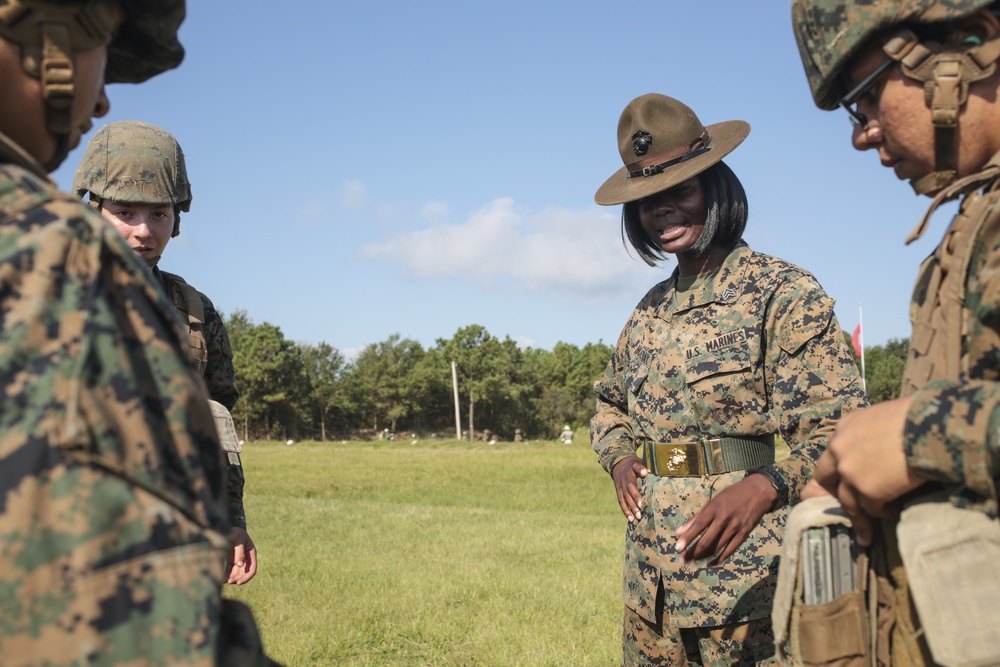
[[434, 210], [577, 253], [353, 195]]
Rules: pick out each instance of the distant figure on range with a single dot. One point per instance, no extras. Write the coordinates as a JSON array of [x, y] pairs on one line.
[[732, 348], [567, 434], [134, 174]]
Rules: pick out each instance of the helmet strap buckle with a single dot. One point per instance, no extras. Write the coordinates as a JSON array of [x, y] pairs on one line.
[[56, 72], [946, 72]]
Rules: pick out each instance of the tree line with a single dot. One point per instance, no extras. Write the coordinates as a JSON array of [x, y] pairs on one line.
[[301, 391]]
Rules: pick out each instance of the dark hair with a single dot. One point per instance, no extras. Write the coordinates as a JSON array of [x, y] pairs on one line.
[[725, 219]]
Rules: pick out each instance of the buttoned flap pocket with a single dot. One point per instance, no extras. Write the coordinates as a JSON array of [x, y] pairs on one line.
[[721, 365], [722, 389], [808, 320]]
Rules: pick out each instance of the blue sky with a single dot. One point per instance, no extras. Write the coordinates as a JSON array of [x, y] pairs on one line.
[[365, 169]]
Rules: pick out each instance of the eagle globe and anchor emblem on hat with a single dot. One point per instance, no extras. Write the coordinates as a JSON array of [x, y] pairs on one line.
[[641, 141], [671, 144]]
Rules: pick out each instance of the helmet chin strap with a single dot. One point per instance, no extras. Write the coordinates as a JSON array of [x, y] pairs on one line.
[[946, 72], [57, 87], [49, 34]]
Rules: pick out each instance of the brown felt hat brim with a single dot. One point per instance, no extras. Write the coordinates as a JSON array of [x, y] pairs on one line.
[[619, 189]]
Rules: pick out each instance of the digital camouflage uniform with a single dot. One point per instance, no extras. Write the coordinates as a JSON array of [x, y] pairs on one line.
[[135, 162], [112, 529], [755, 351], [953, 369]]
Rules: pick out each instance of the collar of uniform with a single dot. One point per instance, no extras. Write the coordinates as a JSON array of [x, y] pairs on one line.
[[726, 287], [11, 153]]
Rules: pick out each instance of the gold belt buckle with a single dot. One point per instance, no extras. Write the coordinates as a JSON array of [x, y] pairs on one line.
[[686, 459], [677, 459]]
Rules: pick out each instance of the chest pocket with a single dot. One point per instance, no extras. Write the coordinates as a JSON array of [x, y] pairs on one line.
[[721, 387]]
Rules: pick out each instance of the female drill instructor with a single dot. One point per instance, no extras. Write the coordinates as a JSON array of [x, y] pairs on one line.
[[732, 348]]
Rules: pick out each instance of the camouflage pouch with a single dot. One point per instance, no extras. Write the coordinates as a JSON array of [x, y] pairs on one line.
[[227, 431], [952, 560], [836, 632]]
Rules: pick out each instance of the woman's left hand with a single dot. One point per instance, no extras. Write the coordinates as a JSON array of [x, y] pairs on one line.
[[726, 521]]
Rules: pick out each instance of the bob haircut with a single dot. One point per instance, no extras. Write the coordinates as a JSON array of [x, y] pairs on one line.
[[725, 220]]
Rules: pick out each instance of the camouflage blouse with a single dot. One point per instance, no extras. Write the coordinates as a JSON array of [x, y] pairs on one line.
[[755, 351]]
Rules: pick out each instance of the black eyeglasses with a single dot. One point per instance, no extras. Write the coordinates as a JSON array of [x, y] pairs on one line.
[[850, 100]]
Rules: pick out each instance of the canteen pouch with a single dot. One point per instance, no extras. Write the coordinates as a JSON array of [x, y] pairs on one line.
[[837, 633], [952, 560]]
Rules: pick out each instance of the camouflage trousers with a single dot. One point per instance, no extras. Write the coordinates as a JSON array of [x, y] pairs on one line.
[[647, 644]]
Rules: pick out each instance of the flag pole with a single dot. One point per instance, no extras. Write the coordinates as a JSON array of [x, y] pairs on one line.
[[861, 344]]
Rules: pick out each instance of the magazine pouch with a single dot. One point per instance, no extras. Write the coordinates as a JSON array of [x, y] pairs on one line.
[[835, 631], [952, 561]]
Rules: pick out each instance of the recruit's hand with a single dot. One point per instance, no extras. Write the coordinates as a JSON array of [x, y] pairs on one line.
[[864, 465], [725, 522], [625, 475], [242, 561], [813, 489]]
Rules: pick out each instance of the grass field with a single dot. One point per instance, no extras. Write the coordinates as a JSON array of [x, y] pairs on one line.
[[440, 553]]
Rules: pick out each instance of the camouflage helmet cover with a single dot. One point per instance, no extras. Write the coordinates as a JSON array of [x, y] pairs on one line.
[[129, 161], [144, 45], [830, 32]]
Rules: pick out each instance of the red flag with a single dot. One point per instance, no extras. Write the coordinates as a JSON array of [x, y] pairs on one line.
[[856, 340]]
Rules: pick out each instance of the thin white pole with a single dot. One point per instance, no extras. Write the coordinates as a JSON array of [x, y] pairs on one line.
[[861, 344], [458, 413]]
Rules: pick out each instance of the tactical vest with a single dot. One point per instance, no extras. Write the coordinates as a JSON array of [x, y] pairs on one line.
[[188, 301]]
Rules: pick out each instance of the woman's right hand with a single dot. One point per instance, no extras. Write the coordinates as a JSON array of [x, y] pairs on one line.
[[625, 475]]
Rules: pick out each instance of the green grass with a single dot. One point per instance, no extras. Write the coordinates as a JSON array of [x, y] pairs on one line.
[[441, 553]]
